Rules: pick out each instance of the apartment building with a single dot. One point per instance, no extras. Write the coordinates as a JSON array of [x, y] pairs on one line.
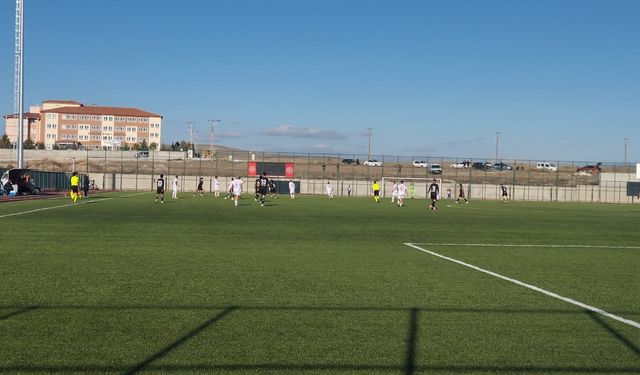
[[66, 122]]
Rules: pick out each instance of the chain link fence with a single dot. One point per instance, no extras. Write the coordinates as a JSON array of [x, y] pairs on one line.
[[532, 180]]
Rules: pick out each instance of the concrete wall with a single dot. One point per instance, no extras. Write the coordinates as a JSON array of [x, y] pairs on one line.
[[607, 192]]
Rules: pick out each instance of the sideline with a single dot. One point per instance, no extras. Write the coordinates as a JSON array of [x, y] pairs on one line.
[[529, 286], [69, 204]]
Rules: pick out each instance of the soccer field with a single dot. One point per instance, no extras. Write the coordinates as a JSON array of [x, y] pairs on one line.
[[118, 284]]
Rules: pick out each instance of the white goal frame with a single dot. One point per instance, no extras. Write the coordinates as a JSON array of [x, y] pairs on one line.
[[420, 183]]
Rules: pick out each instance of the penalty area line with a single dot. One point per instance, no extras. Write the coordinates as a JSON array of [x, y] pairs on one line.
[[529, 286]]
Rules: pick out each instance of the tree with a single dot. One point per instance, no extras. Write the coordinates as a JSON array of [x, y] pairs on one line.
[[29, 145], [153, 146], [136, 146], [5, 142], [39, 146], [143, 145]]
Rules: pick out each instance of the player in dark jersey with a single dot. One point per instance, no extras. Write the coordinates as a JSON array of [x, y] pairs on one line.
[[199, 188], [263, 186], [434, 190], [160, 189], [505, 194], [461, 195], [273, 191]]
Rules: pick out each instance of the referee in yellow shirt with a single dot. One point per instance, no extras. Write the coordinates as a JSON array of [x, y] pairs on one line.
[[376, 191], [73, 181]]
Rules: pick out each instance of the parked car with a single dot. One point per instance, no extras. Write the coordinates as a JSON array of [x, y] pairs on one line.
[[350, 161], [543, 165], [141, 154], [590, 169], [420, 163], [373, 163], [435, 169], [483, 166], [460, 165], [502, 166]]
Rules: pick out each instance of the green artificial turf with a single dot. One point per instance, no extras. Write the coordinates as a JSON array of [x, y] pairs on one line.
[[118, 284]]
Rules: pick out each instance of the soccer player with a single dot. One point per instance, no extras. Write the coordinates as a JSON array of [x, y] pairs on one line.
[[348, 190], [292, 189], [461, 196], [216, 187], [174, 188], [229, 189], [448, 193], [402, 189], [505, 194], [376, 191], [329, 189], [237, 190], [263, 186], [273, 191], [160, 189], [434, 190], [199, 188], [412, 190], [394, 191], [73, 181]]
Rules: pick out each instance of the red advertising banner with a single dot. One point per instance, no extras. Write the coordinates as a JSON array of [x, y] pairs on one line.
[[252, 170], [288, 170]]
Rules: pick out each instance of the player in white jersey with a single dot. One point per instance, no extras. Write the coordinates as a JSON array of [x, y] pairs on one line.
[[394, 192], [174, 188], [292, 189], [216, 186], [236, 189], [329, 190], [402, 189]]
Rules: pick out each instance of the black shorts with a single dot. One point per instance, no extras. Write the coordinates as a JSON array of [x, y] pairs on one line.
[[74, 189], [159, 191], [262, 191], [434, 196], [376, 193]]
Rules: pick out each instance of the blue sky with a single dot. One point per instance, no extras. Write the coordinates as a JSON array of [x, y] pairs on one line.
[[559, 80]]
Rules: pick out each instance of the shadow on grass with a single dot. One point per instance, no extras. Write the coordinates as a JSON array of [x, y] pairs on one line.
[[408, 367], [617, 335]]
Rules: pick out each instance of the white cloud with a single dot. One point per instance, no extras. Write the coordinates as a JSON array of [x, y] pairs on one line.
[[303, 132]]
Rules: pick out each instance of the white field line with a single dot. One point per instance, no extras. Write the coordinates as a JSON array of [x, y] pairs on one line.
[[532, 287], [528, 245], [67, 205]]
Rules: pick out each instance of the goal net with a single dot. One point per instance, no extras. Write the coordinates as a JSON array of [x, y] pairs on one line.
[[416, 186]]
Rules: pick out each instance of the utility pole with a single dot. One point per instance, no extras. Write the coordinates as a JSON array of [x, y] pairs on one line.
[[369, 152], [497, 145], [626, 145], [190, 129], [212, 133]]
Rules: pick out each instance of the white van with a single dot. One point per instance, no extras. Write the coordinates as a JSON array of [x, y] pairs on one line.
[[546, 166]]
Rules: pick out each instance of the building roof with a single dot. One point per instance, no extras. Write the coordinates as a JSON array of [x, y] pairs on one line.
[[95, 110], [62, 102], [29, 115]]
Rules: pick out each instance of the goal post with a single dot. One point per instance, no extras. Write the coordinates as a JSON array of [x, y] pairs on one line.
[[416, 186]]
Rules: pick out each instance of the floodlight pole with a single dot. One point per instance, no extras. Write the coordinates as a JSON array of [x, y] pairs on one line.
[[626, 145], [497, 145], [18, 83], [212, 133]]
